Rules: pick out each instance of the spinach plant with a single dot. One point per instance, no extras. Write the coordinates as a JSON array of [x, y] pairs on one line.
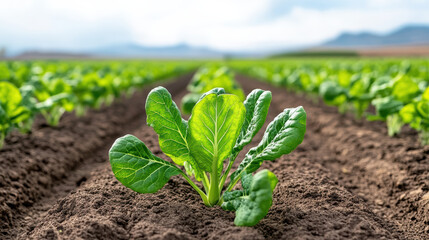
[[207, 78], [12, 112], [390, 96], [335, 95], [387, 109], [417, 115], [218, 129], [53, 98]]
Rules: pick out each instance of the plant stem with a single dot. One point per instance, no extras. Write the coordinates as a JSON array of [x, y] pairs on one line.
[[80, 110], [214, 193], [394, 124], [225, 175], [202, 194], [219, 203], [360, 109], [233, 183], [206, 182], [2, 137], [424, 137], [342, 108], [230, 186]]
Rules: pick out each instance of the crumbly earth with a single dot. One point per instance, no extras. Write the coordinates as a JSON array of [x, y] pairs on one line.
[[51, 161], [347, 180]]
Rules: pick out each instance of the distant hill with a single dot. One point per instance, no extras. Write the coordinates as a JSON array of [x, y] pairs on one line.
[[127, 50], [134, 50], [49, 55], [408, 35]]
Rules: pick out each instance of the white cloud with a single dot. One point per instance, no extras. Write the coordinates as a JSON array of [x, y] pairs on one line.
[[221, 24]]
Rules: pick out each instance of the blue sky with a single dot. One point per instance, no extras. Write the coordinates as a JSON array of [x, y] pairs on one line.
[[238, 25]]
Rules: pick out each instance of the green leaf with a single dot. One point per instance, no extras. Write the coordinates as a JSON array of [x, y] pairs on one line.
[[246, 181], [381, 87], [217, 91], [189, 101], [408, 113], [253, 204], [214, 126], [375, 118], [12, 112], [137, 168], [164, 116], [10, 97], [405, 89], [329, 91], [387, 106], [52, 101], [282, 136], [425, 95], [422, 108], [257, 104]]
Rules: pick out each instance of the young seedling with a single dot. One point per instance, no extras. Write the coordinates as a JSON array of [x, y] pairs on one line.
[[417, 115], [218, 129], [12, 112]]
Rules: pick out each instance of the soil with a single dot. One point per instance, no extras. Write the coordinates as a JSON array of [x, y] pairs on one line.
[[50, 161], [347, 180]]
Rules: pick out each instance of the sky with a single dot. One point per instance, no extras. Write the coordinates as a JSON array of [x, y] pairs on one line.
[[227, 25]]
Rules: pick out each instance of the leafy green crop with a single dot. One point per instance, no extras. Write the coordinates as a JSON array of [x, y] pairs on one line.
[[387, 109], [220, 126], [253, 202], [375, 89], [12, 112], [51, 88], [207, 78], [417, 115]]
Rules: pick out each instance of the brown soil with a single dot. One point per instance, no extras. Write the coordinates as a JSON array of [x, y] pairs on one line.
[[347, 180], [51, 161], [395, 51]]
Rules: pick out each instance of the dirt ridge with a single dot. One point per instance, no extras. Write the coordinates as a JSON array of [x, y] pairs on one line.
[[33, 165]]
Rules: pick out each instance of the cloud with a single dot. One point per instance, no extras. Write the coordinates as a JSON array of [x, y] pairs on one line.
[[221, 24]]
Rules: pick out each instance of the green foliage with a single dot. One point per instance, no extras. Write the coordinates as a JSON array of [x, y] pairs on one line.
[[219, 127], [189, 101], [417, 115], [352, 85], [207, 78], [387, 109], [52, 88], [253, 202], [256, 104], [164, 116], [214, 126], [213, 129], [282, 136], [136, 167], [12, 112]]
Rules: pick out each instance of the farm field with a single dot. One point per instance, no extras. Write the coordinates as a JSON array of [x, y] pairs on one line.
[[348, 178]]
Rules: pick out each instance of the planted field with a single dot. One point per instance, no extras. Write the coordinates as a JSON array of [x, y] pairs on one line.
[[348, 179]]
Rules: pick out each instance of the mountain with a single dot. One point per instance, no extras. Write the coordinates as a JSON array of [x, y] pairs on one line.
[[126, 50], [135, 50], [408, 35]]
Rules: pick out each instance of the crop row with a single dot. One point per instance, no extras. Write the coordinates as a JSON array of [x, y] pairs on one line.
[[393, 91], [53, 88], [206, 79]]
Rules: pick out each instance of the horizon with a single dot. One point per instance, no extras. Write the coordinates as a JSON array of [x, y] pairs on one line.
[[244, 26]]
